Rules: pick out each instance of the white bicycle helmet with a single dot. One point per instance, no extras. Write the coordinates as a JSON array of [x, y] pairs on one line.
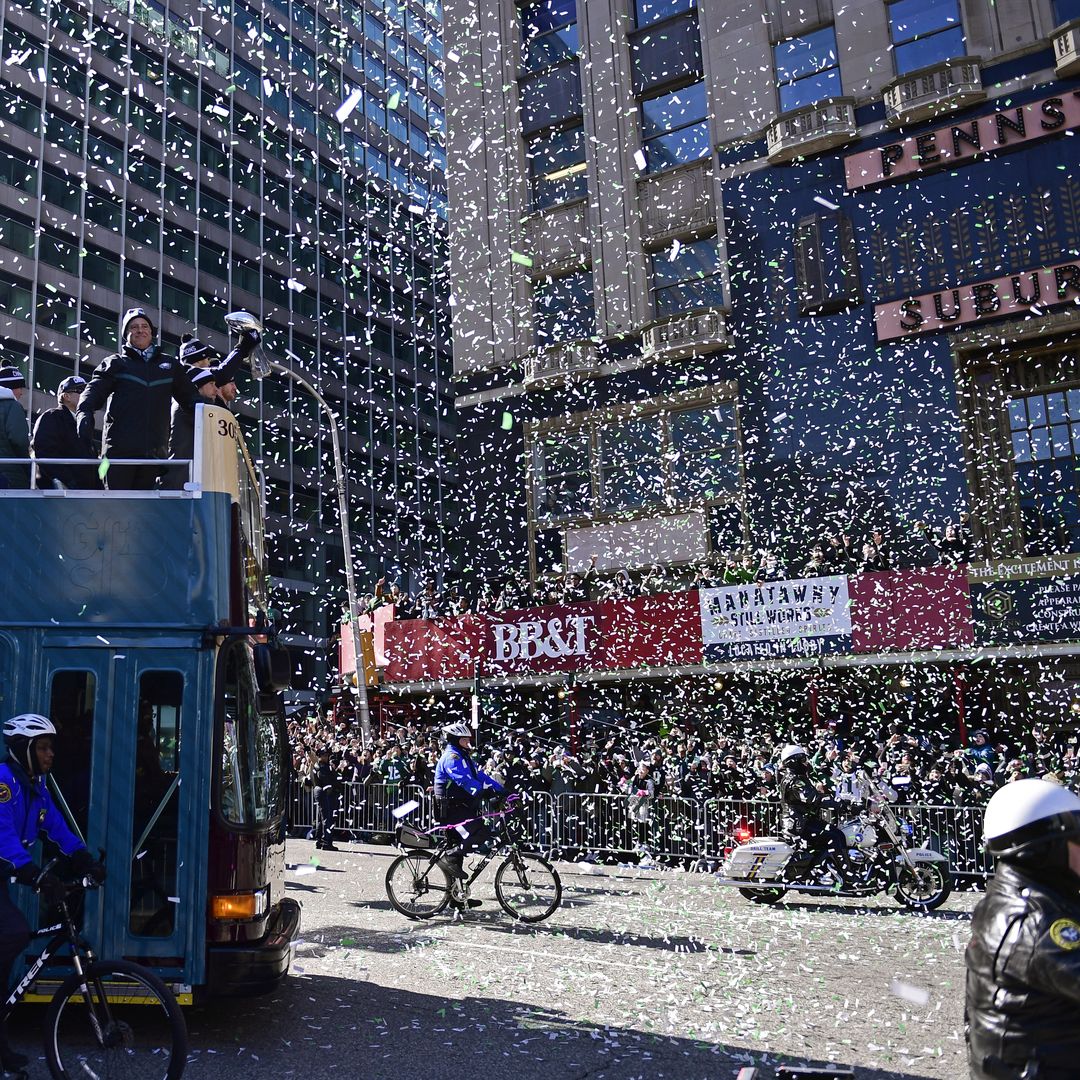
[[19, 735], [453, 732]]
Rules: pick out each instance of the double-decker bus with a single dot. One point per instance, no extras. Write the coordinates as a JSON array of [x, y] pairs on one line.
[[135, 620]]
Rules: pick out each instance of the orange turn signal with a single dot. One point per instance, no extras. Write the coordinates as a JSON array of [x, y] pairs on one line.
[[244, 905]]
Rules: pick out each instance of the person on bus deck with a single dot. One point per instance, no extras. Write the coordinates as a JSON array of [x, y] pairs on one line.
[[56, 436], [135, 387], [14, 428], [27, 809], [459, 788], [214, 380]]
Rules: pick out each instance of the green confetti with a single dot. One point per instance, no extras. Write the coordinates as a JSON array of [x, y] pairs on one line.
[[103, 468], [507, 421], [395, 98], [521, 260]]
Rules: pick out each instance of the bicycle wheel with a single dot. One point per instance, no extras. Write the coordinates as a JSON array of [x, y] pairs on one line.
[[528, 887], [415, 888], [119, 1021]]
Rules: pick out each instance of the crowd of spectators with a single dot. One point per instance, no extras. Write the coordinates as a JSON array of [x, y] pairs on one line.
[[922, 768], [838, 552]]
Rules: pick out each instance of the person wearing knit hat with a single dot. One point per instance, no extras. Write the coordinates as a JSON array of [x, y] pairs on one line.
[[208, 382], [14, 428], [55, 436], [195, 353], [135, 386]]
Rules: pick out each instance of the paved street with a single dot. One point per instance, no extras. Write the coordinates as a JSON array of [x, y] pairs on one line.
[[641, 973]]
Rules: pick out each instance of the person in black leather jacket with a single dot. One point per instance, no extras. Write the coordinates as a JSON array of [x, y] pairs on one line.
[[139, 384], [803, 803], [1022, 1004]]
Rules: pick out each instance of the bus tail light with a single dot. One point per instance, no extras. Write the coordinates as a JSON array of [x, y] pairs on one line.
[[238, 905]]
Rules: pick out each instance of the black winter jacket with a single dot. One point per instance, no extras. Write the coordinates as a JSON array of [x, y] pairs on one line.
[[139, 394], [56, 436], [1023, 980], [802, 803]]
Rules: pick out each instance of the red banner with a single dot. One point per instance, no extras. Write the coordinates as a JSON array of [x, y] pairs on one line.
[[910, 609], [651, 631], [419, 650]]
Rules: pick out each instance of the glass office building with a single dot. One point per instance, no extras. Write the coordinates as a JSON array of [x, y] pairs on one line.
[[287, 159]]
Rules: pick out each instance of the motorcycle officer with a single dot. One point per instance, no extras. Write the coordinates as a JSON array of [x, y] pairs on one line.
[[459, 788], [1022, 1005], [803, 802]]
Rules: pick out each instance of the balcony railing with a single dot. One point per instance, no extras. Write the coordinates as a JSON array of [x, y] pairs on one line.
[[693, 333], [811, 130], [931, 91], [1066, 40], [557, 363]]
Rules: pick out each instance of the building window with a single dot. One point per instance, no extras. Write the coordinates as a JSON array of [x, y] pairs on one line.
[[557, 170], [675, 128], [925, 32], [647, 12], [1045, 432], [686, 277], [562, 484], [807, 70], [549, 34], [673, 453], [631, 463], [563, 309], [705, 454]]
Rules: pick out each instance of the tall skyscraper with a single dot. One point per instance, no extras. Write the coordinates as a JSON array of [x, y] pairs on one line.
[[287, 159]]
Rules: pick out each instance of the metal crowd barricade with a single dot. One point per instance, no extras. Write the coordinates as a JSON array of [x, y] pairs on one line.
[[955, 831], [575, 824]]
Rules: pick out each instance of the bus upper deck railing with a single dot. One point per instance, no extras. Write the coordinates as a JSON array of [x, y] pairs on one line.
[[675, 828], [164, 464]]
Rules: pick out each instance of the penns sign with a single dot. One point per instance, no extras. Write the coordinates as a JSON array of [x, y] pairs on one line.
[[963, 143], [1028, 292]]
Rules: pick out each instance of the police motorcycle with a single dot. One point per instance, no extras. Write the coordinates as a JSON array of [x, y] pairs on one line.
[[880, 858]]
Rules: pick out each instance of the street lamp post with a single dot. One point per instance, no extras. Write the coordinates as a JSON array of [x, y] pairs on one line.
[[261, 366]]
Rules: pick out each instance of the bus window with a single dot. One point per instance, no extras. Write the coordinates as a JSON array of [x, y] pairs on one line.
[[71, 709], [156, 800], [250, 785]]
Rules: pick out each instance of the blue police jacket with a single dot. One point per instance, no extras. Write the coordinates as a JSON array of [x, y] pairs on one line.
[[27, 809], [454, 767]]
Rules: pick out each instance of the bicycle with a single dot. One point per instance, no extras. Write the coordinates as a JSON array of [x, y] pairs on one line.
[[88, 1032], [419, 885]]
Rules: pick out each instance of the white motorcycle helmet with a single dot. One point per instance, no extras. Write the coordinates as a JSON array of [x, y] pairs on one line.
[[1030, 822], [792, 755]]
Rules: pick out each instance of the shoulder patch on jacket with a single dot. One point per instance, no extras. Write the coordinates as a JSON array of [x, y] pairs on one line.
[[5, 793], [1065, 934]]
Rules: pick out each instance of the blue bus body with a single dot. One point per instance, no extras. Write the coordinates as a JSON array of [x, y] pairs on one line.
[[127, 617]]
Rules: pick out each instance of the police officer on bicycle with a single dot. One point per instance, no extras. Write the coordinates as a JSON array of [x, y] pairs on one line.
[[27, 809], [459, 788]]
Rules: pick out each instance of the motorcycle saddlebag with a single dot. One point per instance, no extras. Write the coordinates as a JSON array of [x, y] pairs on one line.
[[409, 837], [760, 860]]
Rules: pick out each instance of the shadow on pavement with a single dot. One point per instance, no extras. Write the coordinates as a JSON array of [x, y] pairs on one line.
[[383, 1033], [878, 912], [669, 943]]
